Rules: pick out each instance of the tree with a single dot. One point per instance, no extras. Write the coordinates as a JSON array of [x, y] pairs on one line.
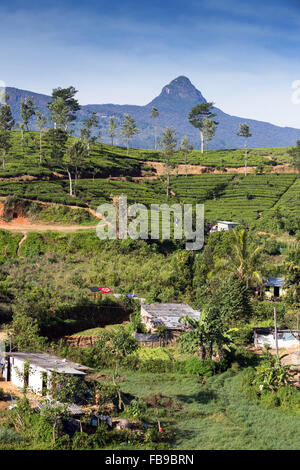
[[40, 122], [87, 131], [198, 114], [232, 298], [295, 154], [244, 131], [5, 145], [209, 131], [64, 114], [195, 336], [25, 333], [205, 333], [168, 143], [154, 115], [112, 129], [129, 129], [6, 124], [21, 126], [243, 261], [74, 161], [56, 139], [27, 111], [59, 113], [185, 148]]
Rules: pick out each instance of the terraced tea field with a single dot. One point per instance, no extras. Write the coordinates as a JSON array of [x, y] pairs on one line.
[[225, 196]]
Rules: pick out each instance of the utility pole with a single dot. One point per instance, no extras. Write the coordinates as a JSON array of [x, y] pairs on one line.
[[275, 331]]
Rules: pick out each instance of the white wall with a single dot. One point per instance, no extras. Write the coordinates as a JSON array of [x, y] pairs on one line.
[[261, 340], [35, 375]]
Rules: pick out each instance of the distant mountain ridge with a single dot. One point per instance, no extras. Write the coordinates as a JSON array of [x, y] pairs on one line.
[[173, 103]]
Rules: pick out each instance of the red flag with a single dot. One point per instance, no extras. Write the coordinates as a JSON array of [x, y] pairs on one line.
[[106, 290]]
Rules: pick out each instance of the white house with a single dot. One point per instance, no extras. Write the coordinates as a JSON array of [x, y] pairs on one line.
[[34, 370], [223, 225]]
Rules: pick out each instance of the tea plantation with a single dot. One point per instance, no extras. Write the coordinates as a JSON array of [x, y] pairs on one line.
[[109, 172]]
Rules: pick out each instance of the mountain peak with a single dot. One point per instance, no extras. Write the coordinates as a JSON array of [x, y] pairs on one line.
[[180, 89]]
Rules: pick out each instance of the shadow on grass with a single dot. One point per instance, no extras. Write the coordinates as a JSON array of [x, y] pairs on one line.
[[202, 397]]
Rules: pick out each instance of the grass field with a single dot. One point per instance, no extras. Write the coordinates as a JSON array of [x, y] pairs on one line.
[[216, 415]]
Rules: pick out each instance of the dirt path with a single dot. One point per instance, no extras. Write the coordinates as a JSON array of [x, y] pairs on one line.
[[24, 225], [200, 169], [45, 203]]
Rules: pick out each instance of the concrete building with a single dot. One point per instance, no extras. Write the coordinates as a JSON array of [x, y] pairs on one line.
[[223, 225], [153, 315], [266, 336], [41, 366]]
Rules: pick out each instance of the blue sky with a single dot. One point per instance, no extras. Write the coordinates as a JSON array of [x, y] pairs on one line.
[[242, 55]]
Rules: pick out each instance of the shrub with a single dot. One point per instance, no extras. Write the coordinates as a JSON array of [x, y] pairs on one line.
[[269, 400], [204, 368], [136, 409], [8, 436], [243, 335]]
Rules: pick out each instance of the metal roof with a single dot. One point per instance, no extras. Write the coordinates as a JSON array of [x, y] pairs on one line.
[[169, 314], [274, 282], [51, 363], [227, 222]]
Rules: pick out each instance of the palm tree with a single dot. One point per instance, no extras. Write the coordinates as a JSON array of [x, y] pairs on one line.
[[243, 261], [206, 333], [195, 336]]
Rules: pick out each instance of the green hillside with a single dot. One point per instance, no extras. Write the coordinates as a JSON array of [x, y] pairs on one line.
[[109, 172]]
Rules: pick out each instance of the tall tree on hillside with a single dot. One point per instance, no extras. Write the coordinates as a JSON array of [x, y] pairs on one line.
[[185, 148], [294, 152], [209, 131], [87, 131], [112, 129], [168, 143], [41, 121], [27, 111], [56, 140], [64, 106], [59, 114], [154, 115], [21, 126], [244, 131], [6, 124], [129, 129], [198, 114], [74, 161]]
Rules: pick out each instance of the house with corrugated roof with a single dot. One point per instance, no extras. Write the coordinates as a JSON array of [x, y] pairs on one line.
[[274, 287], [34, 370], [153, 315]]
